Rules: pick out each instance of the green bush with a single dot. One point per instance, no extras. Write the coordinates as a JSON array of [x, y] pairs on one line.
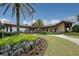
[[17, 39], [6, 34], [75, 28], [43, 33]]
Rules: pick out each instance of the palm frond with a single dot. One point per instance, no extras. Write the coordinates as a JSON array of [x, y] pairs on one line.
[[13, 10], [22, 11], [31, 7], [27, 9], [7, 7]]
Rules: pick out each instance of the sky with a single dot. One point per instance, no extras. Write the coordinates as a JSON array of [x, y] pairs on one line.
[[49, 13]]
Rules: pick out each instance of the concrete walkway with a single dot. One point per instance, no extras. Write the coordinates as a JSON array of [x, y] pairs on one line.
[[74, 40]]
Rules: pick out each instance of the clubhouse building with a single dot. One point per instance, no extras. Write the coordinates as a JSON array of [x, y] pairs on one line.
[[63, 26]]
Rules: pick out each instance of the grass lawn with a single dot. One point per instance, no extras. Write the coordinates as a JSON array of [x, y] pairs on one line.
[[73, 34], [60, 47], [16, 39], [56, 46], [48, 33]]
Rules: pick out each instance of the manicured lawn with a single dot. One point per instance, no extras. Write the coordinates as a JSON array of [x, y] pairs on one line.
[[73, 34], [58, 46], [48, 33], [16, 39]]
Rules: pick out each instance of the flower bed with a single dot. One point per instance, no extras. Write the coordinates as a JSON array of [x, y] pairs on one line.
[[22, 46], [40, 48]]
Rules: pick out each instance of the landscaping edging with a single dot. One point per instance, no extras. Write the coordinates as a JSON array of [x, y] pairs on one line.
[[26, 48]]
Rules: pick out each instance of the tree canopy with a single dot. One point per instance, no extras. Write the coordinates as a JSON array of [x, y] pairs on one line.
[[38, 23], [75, 28]]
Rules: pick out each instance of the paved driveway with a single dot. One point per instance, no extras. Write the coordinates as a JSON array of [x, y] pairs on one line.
[[74, 40]]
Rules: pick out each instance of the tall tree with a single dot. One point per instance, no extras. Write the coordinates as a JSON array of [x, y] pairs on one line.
[[18, 9], [38, 24]]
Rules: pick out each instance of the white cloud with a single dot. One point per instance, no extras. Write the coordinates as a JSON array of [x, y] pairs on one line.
[[3, 20], [71, 18], [25, 22], [29, 22], [48, 22], [51, 22], [45, 22], [34, 20]]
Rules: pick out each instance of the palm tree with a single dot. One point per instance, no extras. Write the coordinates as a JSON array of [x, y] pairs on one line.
[[39, 23], [24, 9]]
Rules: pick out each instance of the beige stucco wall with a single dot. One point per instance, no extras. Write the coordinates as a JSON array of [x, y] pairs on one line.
[[61, 27]]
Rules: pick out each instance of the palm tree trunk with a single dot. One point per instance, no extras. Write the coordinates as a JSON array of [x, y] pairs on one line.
[[17, 19]]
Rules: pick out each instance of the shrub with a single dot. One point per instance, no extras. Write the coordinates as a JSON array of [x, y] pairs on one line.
[[43, 33], [75, 28], [6, 34], [17, 39]]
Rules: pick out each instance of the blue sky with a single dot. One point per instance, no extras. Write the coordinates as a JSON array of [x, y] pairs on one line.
[[55, 11], [47, 12]]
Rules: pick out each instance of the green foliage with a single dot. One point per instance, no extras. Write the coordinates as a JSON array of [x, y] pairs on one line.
[[43, 33], [75, 28], [2, 27], [23, 9], [17, 39], [72, 33], [38, 23], [6, 34]]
